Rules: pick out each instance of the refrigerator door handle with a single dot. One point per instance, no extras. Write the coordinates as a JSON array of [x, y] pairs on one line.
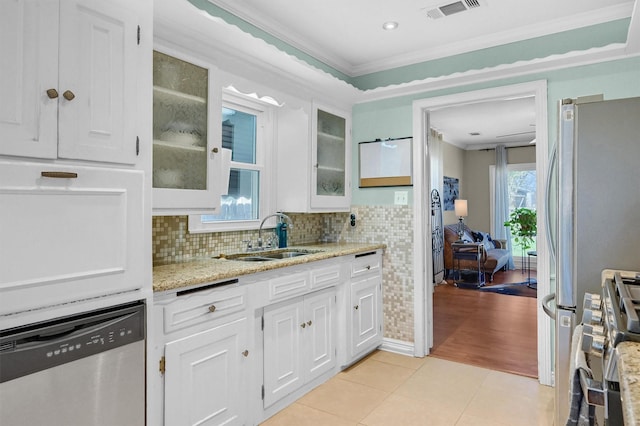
[[552, 165], [546, 305]]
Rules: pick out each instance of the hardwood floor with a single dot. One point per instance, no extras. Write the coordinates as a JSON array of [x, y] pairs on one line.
[[485, 329]]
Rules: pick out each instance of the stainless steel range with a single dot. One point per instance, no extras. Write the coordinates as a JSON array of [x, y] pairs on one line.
[[609, 319]]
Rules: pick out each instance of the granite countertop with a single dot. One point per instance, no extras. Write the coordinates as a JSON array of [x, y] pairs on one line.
[[629, 374], [200, 271]]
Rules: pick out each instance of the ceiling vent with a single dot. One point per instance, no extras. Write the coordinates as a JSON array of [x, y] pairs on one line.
[[452, 8]]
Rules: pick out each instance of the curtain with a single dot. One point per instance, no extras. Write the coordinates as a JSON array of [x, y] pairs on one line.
[[435, 160], [501, 207], [437, 233]]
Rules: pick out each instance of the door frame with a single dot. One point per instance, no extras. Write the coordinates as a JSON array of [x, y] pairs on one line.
[[423, 269]]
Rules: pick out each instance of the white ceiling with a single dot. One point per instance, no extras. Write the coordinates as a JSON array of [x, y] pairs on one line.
[[348, 36], [509, 122]]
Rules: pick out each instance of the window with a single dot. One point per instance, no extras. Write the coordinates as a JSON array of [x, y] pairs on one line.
[[522, 193], [246, 132]]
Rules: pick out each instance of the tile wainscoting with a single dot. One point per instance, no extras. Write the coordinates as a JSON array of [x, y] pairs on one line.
[[391, 225]]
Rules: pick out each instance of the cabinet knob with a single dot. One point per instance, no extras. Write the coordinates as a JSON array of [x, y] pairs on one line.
[[52, 93], [356, 307], [245, 353], [68, 95], [309, 323], [215, 150], [368, 267], [303, 325], [212, 308]]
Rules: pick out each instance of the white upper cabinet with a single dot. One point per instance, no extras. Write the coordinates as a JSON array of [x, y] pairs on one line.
[[188, 173], [330, 159], [314, 159], [69, 80]]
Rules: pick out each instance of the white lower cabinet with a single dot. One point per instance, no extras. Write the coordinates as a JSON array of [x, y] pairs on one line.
[[299, 343], [204, 379], [236, 352], [366, 315], [365, 310], [205, 356]]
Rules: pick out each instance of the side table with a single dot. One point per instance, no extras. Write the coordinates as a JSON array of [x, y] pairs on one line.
[[468, 278]]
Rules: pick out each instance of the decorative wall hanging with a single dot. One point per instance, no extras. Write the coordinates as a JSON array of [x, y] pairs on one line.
[[450, 192]]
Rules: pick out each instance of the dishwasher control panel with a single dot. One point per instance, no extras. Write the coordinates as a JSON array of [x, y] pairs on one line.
[[36, 347]]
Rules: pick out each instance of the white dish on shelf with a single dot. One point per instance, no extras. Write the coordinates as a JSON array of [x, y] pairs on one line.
[[182, 138], [168, 178]]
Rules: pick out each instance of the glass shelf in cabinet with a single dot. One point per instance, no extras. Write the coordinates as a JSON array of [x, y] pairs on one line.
[[168, 95], [157, 143], [329, 137]]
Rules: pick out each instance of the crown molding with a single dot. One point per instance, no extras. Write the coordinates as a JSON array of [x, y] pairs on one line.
[[492, 40], [249, 57], [304, 44], [298, 41], [517, 69], [181, 25]]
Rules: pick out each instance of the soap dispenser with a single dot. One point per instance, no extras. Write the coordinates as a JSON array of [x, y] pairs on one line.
[[281, 232]]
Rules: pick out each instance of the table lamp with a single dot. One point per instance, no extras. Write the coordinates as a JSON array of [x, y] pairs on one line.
[[460, 207]]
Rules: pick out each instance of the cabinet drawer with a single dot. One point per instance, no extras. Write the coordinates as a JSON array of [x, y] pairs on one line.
[[194, 309], [365, 264], [325, 277], [288, 286]]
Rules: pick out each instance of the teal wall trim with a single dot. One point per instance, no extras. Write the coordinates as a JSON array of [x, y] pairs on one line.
[[541, 47], [245, 26]]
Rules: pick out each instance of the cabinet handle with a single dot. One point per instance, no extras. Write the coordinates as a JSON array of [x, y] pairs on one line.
[[215, 150], [52, 93], [309, 323], [356, 307], [303, 325], [59, 175], [212, 308], [368, 267], [245, 353], [68, 95]]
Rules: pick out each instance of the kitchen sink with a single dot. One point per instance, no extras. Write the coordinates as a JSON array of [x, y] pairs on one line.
[[253, 258], [267, 256], [285, 254]]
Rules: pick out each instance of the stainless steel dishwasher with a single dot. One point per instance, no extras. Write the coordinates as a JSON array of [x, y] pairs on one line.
[[87, 369]]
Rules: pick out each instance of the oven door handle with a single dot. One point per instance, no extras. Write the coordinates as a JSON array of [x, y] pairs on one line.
[[545, 305], [591, 389]]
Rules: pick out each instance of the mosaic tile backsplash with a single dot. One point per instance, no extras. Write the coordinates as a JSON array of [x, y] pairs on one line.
[[391, 225]]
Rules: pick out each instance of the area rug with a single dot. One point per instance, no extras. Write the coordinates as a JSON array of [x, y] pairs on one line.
[[512, 289]]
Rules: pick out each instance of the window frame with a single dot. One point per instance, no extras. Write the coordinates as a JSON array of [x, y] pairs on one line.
[[512, 167], [265, 141]]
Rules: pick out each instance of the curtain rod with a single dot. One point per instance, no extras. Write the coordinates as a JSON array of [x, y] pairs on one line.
[[506, 147]]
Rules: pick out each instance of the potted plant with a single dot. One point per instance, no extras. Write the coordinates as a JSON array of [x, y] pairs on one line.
[[522, 222]]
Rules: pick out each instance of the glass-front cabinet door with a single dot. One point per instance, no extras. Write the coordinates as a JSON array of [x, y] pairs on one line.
[[330, 178], [186, 151]]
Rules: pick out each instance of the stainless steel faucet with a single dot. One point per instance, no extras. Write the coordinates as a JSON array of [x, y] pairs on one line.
[[282, 216]]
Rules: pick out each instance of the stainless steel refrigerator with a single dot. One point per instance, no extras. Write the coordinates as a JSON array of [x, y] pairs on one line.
[[594, 213]]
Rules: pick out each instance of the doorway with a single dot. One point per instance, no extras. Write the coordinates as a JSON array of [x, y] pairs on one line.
[[423, 283]]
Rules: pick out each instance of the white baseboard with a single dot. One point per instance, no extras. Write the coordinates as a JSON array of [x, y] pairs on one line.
[[397, 346]]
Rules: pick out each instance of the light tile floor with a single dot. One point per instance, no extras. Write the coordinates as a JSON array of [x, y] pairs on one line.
[[391, 389]]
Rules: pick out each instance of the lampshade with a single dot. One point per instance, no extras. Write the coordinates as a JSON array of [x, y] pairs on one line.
[[461, 208]]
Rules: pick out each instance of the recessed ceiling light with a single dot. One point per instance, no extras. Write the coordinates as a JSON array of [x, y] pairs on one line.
[[390, 25]]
